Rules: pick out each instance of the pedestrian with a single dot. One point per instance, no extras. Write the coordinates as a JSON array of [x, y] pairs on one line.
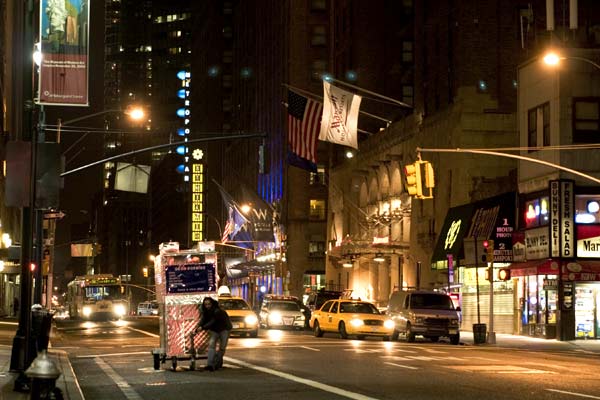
[[216, 321]]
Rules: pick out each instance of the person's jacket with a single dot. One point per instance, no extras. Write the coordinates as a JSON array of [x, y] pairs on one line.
[[215, 319]]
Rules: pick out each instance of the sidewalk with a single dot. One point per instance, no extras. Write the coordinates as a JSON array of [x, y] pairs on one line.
[[66, 382], [535, 344]]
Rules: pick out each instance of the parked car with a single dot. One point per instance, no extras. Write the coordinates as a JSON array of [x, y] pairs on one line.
[[243, 319], [351, 317], [282, 313], [427, 313], [147, 308]]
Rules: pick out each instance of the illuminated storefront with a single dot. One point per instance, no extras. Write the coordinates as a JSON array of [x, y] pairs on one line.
[[562, 233]]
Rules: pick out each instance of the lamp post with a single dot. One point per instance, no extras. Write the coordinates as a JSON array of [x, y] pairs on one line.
[[553, 59]]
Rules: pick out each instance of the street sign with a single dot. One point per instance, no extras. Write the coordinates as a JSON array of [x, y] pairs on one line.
[[54, 215]]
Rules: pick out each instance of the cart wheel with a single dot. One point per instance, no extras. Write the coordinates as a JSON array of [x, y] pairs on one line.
[[156, 359], [174, 361]]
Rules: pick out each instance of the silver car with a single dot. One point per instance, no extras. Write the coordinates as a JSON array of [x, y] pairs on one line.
[[282, 314]]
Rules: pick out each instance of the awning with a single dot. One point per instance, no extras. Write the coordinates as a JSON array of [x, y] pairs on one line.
[[492, 218], [246, 268], [450, 240], [534, 267]]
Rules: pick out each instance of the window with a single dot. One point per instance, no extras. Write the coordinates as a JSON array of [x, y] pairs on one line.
[[319, 67], [317, 210], [407, 95], [537, 212], [586, 120], [318, 178], [318, 5], [538, 126], [319, 35], [407, 52], [316, 249], [532, 129]]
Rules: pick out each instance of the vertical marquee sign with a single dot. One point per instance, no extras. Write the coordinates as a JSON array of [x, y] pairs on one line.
[[562, 227], [185, 114], [197, 197], [64, 67]]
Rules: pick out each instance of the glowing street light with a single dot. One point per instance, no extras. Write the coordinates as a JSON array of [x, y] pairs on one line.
[[553, 59]]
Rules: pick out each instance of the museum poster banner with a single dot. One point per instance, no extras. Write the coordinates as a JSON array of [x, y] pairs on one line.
[[64, 38]]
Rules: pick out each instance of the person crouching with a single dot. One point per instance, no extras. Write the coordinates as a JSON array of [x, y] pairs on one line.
[[216, 321]]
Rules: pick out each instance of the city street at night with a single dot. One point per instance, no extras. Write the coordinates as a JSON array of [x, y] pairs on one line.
[[112, 360], [299, 199]]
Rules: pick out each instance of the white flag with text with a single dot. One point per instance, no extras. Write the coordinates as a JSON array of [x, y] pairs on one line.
[[340, 116]]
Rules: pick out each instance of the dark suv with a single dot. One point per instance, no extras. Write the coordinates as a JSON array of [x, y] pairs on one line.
[[318, 298]]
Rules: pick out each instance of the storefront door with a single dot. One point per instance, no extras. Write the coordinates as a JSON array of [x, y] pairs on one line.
[[587, 313]]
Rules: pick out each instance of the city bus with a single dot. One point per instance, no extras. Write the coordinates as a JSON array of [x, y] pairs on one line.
[[97, 297]]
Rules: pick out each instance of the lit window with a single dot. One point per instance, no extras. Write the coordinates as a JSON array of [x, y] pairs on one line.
[[317, 210], [318, 178], [316, 249], [407, 52]]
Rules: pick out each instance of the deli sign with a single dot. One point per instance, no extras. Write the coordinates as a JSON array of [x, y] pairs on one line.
[[562, 227]]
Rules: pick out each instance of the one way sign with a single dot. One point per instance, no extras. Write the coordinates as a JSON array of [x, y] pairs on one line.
[[54, 215]]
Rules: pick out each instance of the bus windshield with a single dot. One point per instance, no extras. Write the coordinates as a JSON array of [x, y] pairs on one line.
[[101, 292]]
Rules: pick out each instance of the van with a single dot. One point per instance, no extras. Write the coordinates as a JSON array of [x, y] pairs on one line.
[[427, 313], [147, 308]]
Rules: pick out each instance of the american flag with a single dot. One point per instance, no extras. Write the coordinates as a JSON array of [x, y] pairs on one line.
[[304, 124], [228, 229]]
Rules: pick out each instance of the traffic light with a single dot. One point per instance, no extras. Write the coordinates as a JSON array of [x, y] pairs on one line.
[[429, 177], [504, 274], [145, 271], [488, 251], [413, 179]]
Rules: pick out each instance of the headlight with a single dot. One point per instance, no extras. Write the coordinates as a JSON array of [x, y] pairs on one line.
[[453, 322], [119, 309], [251, 320], [87, 311], [389, 324], [356, 322], [275, 318]]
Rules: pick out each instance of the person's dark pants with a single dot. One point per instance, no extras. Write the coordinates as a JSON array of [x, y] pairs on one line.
[[215, 358]]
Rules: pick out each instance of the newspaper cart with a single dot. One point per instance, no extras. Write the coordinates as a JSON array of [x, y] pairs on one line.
[[183, 279]]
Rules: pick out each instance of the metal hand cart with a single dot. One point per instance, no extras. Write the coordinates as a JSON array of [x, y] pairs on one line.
[[183, 279]]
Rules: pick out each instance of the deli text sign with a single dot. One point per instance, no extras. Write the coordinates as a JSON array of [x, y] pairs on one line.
[[562, 227]]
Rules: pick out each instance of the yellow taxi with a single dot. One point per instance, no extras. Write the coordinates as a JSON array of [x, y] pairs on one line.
[[351, 317], [243, 319]]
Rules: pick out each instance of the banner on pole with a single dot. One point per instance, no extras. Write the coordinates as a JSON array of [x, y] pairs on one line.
[[64, 38], [340, 116]]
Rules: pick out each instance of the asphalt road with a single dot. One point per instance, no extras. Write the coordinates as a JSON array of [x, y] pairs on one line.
[[113, 361]]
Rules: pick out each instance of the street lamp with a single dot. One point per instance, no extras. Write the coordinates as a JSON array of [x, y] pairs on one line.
[[553, 59]]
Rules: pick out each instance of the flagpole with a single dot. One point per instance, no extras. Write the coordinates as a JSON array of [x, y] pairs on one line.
[[369, 92], [306, 93]]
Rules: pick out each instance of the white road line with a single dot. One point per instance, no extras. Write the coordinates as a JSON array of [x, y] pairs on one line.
[[587, 396], [115, 354], [400, 365], [308, 382], [144, 332], [310, 348], [8, 323], [127, 390]]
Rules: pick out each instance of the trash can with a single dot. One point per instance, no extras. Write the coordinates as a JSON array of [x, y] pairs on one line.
[[41, 324], [479, 333]]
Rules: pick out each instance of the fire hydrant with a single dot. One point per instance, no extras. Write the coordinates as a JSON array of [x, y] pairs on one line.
[[43, 373]]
